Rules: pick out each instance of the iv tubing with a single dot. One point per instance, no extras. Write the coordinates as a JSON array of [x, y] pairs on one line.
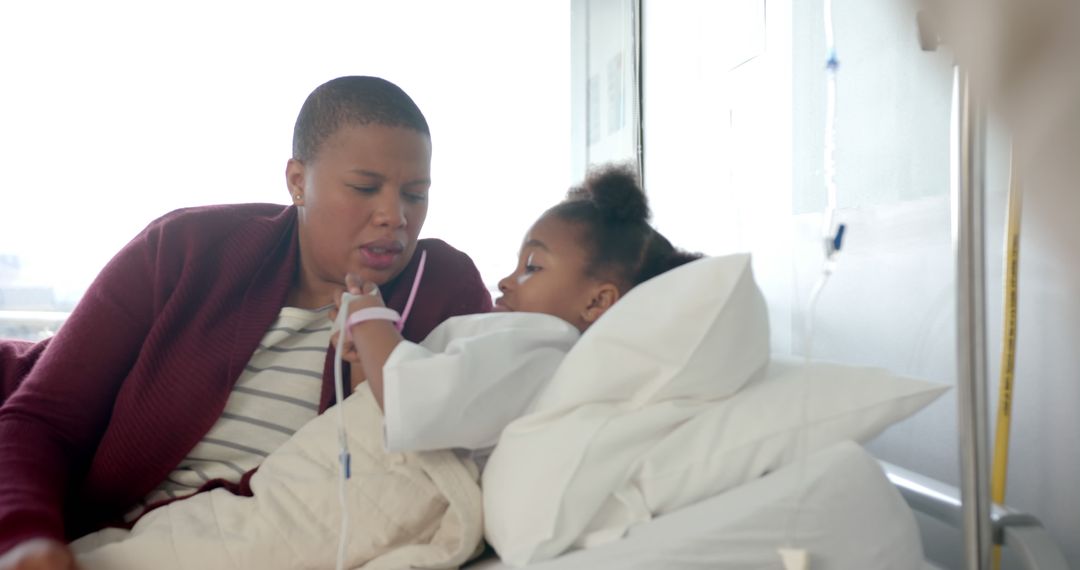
[[831, 66], [343, 442], [339, 394], [832, 237]]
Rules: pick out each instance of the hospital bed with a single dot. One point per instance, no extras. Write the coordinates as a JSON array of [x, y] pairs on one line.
[[852, 512]]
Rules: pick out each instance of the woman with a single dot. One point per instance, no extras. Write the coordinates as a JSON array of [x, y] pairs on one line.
[[163, 381]]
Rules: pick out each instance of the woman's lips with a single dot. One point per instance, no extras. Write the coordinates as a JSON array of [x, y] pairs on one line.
[[500, 306], [382, 254]]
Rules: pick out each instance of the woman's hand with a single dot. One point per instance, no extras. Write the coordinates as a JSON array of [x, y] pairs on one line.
[[38, 554], [349, 351]]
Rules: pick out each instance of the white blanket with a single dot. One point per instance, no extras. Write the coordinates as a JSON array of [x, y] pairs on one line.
[[838, 505], [406, 510]]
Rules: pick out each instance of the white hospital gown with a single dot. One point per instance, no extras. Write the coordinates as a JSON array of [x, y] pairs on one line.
[[468, 379]]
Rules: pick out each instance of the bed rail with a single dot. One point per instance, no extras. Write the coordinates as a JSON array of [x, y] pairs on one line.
[[1031, 545]]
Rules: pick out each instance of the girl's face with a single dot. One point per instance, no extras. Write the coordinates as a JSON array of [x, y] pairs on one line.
[[551, 276], [362, 201]]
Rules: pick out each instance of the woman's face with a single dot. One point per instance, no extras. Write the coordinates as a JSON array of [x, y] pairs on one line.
[[551, 274], [361, 202]]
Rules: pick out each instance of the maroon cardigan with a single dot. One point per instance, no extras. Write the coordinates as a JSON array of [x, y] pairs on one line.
[[96, 417]]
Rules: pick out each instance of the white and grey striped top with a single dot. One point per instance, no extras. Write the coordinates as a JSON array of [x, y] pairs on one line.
[[276, 395]]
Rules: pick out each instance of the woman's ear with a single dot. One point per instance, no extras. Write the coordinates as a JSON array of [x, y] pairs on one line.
[[294, 181], [603, 297]]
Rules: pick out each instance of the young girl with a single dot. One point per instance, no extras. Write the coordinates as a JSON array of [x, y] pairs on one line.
[[452, 393], [473, 375]]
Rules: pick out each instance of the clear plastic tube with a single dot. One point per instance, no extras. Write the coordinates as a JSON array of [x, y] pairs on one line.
[[832, 235], [343, 440], [339, 394]]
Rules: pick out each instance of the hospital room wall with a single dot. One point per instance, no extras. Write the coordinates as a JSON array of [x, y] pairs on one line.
[[734, 153]]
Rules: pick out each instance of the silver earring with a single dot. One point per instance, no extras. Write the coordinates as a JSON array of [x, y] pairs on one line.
[[297, 197]]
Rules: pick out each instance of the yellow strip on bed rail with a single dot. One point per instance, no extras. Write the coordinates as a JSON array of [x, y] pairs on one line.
[[1000, 469]]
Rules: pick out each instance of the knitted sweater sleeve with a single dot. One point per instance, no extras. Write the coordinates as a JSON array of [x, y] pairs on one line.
[[51, 424], [470, 296]]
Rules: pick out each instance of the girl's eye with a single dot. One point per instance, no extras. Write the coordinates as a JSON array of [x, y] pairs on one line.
[[530, 266], [415, 198], [365, 189]]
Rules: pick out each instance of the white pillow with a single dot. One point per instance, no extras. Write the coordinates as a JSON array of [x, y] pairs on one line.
[[759, 429], [584, 478], [699, 331], [671, 345], [634, 423]]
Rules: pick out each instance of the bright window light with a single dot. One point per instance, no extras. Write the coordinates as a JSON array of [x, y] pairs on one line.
[[116, 112]]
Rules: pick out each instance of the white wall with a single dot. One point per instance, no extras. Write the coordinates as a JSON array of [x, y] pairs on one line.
[[891, 301], [718, 135], [733, 162], [1045, 456]]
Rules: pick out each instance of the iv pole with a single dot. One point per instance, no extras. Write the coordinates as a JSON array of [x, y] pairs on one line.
[[969, 242], [969, 148]]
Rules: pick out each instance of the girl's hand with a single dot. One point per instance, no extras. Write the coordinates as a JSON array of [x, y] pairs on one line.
[[366, 291], [366, 296], [380, 337]]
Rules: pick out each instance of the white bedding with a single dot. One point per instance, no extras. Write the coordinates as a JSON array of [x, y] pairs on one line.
[[561, 476], [849, 517], [406, 509], [642, 420]]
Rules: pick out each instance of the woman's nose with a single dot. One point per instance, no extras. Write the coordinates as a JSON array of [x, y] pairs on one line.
[[390, 210]]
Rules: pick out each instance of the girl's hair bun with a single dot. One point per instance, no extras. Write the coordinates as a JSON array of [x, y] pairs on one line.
[[617, 193], [612, 209]]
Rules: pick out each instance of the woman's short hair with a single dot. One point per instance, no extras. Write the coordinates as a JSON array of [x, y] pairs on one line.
[[352, 100]]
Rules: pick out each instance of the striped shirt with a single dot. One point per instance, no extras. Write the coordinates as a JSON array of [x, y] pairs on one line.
[[277, 394]]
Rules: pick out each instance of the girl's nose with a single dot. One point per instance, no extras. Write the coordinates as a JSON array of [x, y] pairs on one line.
[[505, 282]]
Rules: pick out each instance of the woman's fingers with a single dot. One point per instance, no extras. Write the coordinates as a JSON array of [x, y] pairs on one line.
[[348, 352]]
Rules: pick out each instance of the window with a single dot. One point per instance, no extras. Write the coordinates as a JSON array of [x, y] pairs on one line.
[[116, 112], [604, 83]]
